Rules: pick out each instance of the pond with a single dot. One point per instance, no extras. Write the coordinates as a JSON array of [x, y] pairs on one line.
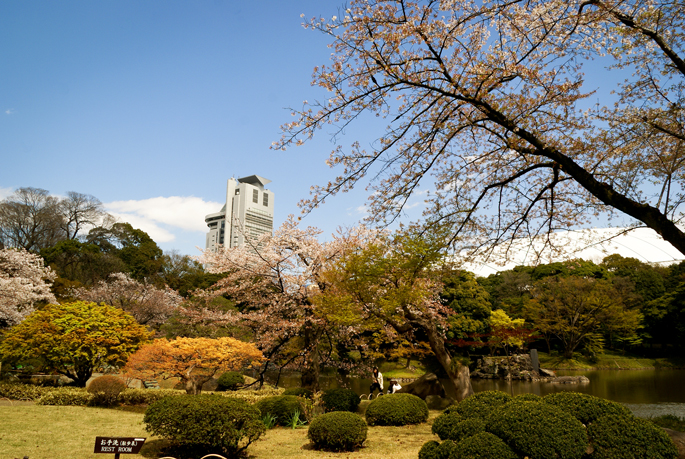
[[646, 392]]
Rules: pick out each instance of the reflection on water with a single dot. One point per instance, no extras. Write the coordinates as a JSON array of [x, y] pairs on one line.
[[646, 392]]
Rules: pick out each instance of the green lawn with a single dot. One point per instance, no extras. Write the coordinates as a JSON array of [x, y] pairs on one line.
[[68, 432], [608, 361]]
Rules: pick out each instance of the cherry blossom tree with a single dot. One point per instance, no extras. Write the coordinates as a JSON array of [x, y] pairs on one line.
[[193, 360], [148, 304], [24, 281], [273, 280], [392, 283], [489, 104]]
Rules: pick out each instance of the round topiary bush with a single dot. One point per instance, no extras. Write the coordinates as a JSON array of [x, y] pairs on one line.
[[627, 437], [466, 428], [527, 398], [106, 390], [434, 450], [445, 423], [538, 430], [202, 424], [231, 380], [430, 450], [586, 408], [338, 431], [480, 405], [340, 399], [282, 407], [484, 445], [299, 392], [396, 410]]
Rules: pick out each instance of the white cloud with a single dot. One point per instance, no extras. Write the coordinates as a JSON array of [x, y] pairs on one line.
[[10, 111], [160, 216], [5, 192]]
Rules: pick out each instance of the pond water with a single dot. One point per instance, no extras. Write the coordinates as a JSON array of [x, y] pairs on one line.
[[646, 392]]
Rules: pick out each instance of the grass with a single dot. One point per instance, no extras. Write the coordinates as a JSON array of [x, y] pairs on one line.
[[670, 421], [608, 361], [62, 432], [68, 432]]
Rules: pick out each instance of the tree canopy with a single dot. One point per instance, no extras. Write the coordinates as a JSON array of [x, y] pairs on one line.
[[490, 105], [194, 360], [74, 339], [24, 281]]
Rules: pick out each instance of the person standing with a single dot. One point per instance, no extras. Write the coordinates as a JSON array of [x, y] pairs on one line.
[[377, 382]]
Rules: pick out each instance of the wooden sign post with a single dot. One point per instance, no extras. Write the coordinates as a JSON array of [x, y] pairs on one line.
[[118, 445]]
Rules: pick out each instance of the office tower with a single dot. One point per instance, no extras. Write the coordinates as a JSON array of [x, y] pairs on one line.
[[248, 206]]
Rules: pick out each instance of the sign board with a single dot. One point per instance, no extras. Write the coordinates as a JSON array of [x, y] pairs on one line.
[[118, 445]]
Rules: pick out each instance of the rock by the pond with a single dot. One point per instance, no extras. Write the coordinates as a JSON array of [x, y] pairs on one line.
[[679, 440], [570, 380], [519, 367], [435, 402], [426, 385]]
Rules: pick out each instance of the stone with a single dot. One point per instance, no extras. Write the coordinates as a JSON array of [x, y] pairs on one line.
[[435, 402], [547, 373], [535, 360], [426, 385], [571, 380], [679, 440]]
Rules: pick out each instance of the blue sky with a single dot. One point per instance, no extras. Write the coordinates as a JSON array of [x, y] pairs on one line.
[[151, 106]]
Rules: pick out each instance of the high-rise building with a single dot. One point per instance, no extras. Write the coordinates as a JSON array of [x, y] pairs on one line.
[[248, 212]]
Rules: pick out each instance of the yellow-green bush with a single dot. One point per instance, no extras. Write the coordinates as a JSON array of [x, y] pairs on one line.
[[338, 431]]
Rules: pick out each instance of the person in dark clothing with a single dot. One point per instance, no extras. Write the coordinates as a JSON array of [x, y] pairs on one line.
[[377, 382]]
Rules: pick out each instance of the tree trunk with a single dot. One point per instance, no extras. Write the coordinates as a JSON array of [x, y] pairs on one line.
[[311, 370], [194, 383], [458, 374]]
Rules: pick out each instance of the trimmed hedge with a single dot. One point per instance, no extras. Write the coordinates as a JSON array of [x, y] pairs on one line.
[[586, 408], [480, 405], [147, 396], [299, 392], [484, 445], [282, 407], [66, 396], [18, 391], [527, 398], [204, 424], [539, 430], [338, 431], [340, 399], [231, 380], [396, 410], [627, 437]]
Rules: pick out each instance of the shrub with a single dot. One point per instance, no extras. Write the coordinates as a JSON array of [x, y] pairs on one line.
[[670, 421], [18, 391], [106, 390], [627, 437], [466, 428], [445, 423], [480, 405], [204, 424], [231, 380], [430, 450], [282, 407], [338, 431], [146, 396], [340, 399], [484, 445], [301, 392], [586, 408], [527, 398], [396, 410], [66, 396], [538, 430]]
